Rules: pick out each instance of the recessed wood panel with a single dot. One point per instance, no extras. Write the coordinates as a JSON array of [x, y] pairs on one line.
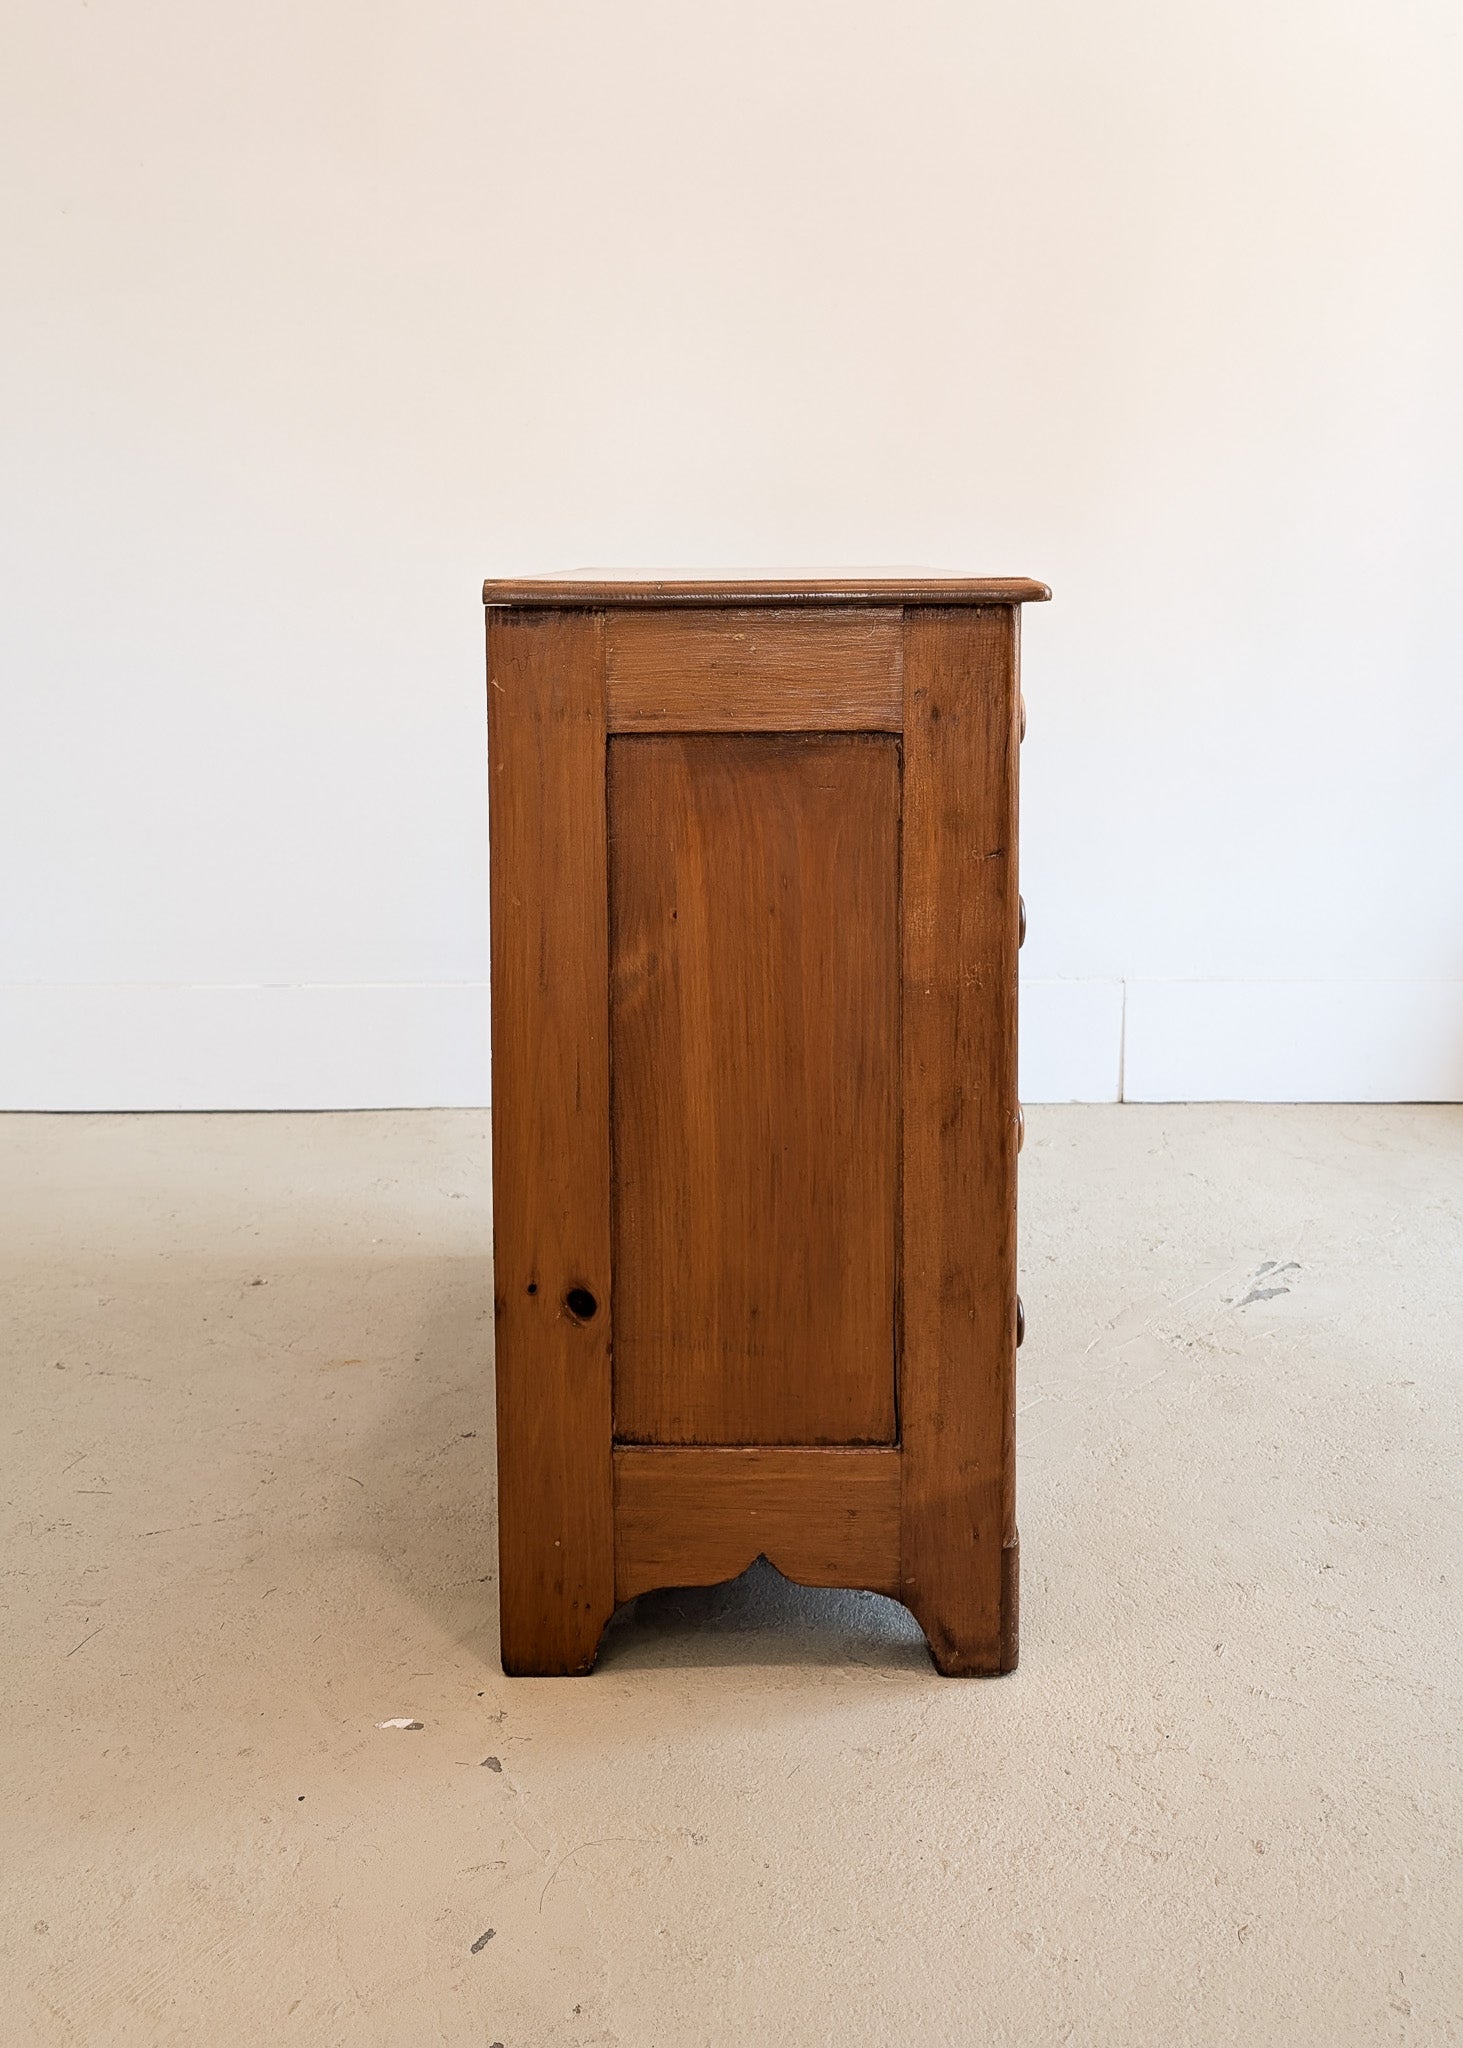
[[754, 1032], [743, 669]]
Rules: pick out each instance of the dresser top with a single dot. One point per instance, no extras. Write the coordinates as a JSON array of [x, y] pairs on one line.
[[595, 587]]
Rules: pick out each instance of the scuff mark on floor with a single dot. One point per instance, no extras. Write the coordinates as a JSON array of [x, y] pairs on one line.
[[1259, 1293]]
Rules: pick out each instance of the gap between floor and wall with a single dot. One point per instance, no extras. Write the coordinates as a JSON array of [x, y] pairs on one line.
[[403, 1045]]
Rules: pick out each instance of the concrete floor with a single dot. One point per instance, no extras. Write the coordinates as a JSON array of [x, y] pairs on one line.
[[249, 1464]]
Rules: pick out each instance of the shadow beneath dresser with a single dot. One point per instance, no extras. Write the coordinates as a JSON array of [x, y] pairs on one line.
[[761, 1618]]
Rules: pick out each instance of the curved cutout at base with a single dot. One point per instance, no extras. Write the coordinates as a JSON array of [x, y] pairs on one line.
[[700, 1516], [696, 1517], [764, 1618]]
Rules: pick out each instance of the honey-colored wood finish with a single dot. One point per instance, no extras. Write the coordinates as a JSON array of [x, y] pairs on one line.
[[755, 926], [755, 670], [601, 588], [754, 1006], [695, 1517], [551, 1136], [960, 927]]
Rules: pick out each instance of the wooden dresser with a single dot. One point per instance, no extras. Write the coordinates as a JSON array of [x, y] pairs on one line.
[[755, 1121]]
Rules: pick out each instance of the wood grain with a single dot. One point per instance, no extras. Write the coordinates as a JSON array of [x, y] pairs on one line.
[[959, 1274], [755, 1041], [742, 669], [551, 1156], [614, 587], [754, 1016], [696, 1517]]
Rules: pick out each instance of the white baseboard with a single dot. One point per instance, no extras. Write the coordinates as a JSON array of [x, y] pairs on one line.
[[362, 1046], [1294, 1041], [425, 1045], [381, 1046], [1071, 1041]]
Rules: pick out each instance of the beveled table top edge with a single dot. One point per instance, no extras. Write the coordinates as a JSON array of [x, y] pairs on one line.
[[592, 589]]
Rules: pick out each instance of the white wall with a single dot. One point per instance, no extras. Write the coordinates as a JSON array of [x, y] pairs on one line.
[[317, 314]]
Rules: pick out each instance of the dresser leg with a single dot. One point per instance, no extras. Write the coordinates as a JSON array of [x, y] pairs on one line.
[[964, 1643], [1011, 1603], [549, 1642]]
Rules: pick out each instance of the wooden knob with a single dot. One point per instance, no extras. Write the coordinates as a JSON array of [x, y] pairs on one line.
[[1022, 702]]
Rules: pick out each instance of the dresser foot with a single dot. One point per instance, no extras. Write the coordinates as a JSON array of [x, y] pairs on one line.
[[549, 1644], [961, 1646]]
